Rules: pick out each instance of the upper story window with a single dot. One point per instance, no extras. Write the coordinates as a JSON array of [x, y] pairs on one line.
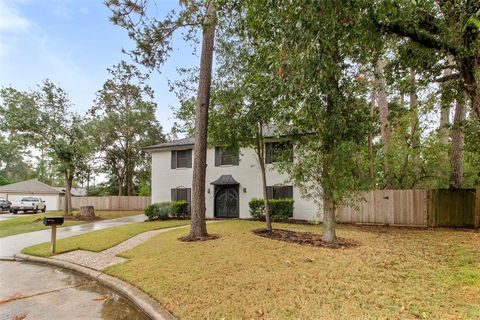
[[278, 151], [181, 159], [279, 192], [225, 157]]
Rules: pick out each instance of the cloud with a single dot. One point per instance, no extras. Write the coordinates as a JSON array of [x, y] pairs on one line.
[[84, 10], [62, 10], [29, 54], [11, 20]]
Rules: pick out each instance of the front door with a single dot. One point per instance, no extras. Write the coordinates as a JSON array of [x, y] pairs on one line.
[[226, 202]]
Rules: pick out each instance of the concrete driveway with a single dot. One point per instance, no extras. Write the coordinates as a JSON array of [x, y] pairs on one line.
[[31, 291], [9, 246]]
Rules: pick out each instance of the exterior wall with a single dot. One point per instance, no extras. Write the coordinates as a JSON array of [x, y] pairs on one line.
[[247, 173], [51, 201]]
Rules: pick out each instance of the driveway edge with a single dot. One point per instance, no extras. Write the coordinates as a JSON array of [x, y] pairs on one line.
[[140, 299]]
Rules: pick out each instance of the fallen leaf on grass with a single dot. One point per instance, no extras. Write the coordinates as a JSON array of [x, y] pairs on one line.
[[101, 298], [13, 297]]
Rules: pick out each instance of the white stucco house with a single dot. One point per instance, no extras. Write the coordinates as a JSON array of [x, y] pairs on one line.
[[231, 180], [16, 191]]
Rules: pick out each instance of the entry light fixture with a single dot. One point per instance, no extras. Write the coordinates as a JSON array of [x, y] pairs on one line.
[[208, 190], [244, 190]]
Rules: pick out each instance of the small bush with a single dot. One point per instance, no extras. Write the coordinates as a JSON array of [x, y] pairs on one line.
[[256, 208], [159, 210], [179, 209], [279, 208]]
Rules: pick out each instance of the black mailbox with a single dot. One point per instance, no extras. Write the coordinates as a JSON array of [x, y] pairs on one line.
[[52, 221]]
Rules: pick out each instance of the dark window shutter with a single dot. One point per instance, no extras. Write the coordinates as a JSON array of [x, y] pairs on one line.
[[174, 159], [290, 192], [270, 192], [174, 194], [189, 158], [268, 153], [218, 156], [236, 158]]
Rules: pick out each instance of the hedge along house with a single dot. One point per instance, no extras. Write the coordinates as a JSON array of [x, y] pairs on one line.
[[16, 191], [232, 180]]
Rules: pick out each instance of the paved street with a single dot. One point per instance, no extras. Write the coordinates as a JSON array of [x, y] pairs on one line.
[[32, 291], [12, 245]]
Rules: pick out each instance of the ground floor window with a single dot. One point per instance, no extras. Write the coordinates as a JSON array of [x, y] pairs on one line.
[[279, 192], [182, 194]]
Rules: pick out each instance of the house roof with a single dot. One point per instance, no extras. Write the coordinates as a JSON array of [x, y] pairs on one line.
[[77, 192], [269, 131], [225, 180], [30, 187], [172, 144]]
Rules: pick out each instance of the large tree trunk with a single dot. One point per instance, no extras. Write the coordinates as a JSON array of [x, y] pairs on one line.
[[384, 123], [67, 207], [260, 149], [445, 104], [468, 67], [371, 170], [129, 180], [198, 225], [120, 186], [414, 126], [329, 222], [458, 141]]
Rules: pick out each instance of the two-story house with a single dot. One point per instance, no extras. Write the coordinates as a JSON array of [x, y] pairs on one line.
[[232, 179]]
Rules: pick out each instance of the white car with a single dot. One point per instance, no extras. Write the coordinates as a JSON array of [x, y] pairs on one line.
[[34, 204]]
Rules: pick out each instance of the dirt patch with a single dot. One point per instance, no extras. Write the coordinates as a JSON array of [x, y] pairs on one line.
[[197, 239], [304, 238]]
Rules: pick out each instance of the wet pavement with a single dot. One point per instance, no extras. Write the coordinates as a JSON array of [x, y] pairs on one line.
[[7, 216], [31, 291], [12, 245]]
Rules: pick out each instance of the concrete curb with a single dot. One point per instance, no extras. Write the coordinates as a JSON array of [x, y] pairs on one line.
[[149, 306]]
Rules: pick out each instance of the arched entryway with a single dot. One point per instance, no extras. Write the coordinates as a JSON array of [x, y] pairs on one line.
[[226, 202], [226, 197]]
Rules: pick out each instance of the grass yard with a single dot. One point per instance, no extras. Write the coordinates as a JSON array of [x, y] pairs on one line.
[[35, 222], [393, 274], [28, 224], [102, 239]]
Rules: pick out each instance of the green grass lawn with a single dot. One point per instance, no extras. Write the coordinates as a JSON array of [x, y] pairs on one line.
[[393, 274], [102, 239], [35, 222]]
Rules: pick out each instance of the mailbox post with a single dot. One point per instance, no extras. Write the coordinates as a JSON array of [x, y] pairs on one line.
[[54, 222]]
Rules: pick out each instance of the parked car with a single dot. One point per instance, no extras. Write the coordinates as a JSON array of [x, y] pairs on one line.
[[34, 204], [4, 204]]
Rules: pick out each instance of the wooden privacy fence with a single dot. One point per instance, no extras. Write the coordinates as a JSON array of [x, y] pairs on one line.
[[109, 203], [416, 208]]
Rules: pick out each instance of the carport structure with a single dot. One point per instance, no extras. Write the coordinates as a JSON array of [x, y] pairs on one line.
[[16, 191]]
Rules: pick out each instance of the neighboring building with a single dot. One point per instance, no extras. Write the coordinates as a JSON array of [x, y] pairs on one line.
[[232, 180], [16, 191], [76, 192]]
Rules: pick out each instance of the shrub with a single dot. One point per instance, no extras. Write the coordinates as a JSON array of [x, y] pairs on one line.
[[159, 210], [279, 208], [179, 209], [256, 208]]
